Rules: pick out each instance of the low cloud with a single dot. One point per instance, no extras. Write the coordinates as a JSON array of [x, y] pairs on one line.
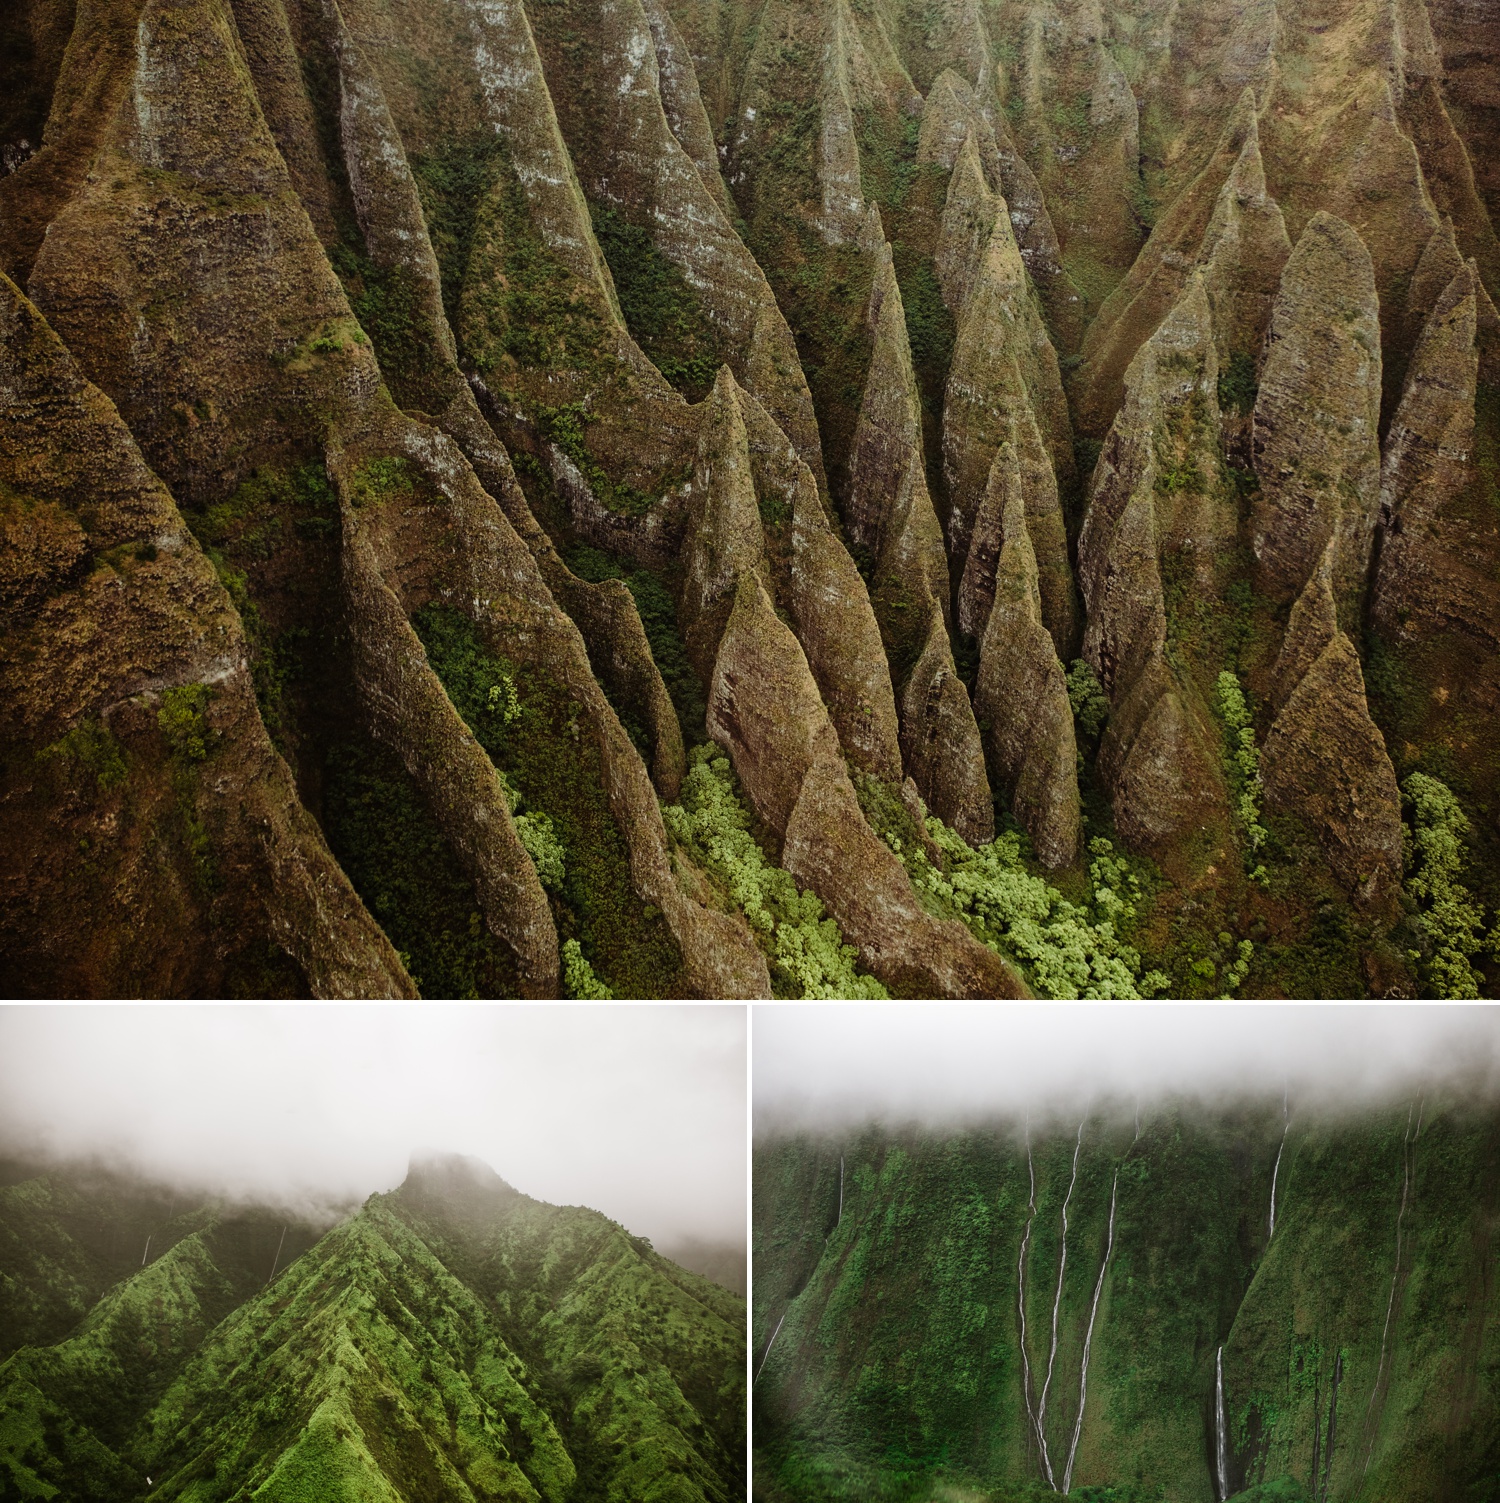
[[638, 1112], [833, 1066]]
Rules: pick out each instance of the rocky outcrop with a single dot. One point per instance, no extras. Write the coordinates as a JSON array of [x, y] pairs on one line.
[[1086, 155], [462, 551], [1158, 498], [1003, 387], [764, 708], [1022, 467], [1022, 701], [93, 73], [953, 112], [1314, 431], [755, 508], [139, 786], [221, 267], [682, 101], [1324, 762], [385, 199], [890, 518], [636, 129], [724, 538], [822, 591], [411, 713], [1225, 222], [1430, 581], [604, 612], [842, 214]]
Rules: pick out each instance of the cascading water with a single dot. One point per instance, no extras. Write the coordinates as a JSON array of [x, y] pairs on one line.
[[1221, 1446], [1021, 1295], [1088, 1339], [772, 1342], [1062, 1263], [277, 1258], [147, 1253], [1408, 1143], [1285, 1123]]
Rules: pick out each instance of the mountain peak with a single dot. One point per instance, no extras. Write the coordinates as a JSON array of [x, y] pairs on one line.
[[433, 1176]]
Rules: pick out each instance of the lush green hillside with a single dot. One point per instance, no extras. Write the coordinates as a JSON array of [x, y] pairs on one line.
[[453, 1340], [1352, 1369]]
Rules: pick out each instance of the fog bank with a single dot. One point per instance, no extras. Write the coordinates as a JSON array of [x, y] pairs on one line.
[[638, 1112], [828, 1066]]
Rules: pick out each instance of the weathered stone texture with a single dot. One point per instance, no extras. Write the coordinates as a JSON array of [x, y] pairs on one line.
[[889, 515], [1314, 435], [1022, 702], [115, 609], [1324, 761]]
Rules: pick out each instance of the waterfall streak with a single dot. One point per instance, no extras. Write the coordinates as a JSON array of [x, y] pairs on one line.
[[1407, 1142], [277, 1258], [1062, 1263], [1285, 1123], [1088, 1338], [772, 1342], [147, 1253], [1021, 1298], [1221, 1450]]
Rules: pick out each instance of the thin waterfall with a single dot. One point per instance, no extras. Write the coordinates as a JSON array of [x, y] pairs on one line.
[[1021, 1295], [1285, 1123], [1088, 1339], [1221, 1447], [1408, 1142], [147, 1253], [277, 1258], [772, 1342], [1062, 1263]]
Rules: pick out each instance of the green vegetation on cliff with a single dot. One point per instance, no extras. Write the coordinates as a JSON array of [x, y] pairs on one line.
[[444, 1343], [807, 952], [661, 310], [889, 1266], [388, 841], [547, 757]]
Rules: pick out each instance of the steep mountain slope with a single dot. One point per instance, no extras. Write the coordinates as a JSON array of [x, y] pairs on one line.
[[1179, 1306], [451, 1340], [924, 406]]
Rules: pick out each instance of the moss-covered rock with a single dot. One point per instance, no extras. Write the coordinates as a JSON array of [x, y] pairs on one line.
[[1315, 430]]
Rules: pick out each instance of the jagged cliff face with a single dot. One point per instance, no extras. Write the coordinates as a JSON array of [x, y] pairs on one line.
[[426, 424], [452, 1340], [1099, 1304]]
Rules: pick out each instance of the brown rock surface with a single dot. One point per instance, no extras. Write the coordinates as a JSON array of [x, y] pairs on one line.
[[955, 112], [1314, 433], [1022, 700], [764, 707], [1431, 580], [1324, 761], [1158, 499], [1223, 221], [822, 590], [889, 517], [198, 870], [1003, 365]]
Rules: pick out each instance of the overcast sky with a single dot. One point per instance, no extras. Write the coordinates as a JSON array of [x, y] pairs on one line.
[[638, 1112], [827, 1065]]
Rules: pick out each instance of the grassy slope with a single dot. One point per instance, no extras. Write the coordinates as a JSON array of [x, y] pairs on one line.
[[897, 1370]]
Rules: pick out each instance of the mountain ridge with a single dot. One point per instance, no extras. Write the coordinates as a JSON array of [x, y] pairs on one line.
[[452, 1338]]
